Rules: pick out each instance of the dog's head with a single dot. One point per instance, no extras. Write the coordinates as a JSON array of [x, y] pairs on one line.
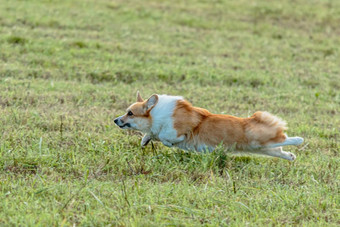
[[137, 116]]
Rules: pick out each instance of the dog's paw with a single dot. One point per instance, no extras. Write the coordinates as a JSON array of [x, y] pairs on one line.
[[146, 139], [291, 156], [299, 140], [167, 143]]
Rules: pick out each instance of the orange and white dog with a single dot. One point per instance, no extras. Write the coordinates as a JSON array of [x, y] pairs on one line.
[[175, 122]]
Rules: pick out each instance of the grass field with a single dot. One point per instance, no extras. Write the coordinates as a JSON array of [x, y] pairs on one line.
[[68, 68]]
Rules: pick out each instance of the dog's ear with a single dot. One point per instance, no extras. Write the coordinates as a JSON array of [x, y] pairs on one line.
[[151, 102], [139, 97]]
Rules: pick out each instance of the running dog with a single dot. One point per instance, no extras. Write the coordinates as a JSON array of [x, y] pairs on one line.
[[176, 123]]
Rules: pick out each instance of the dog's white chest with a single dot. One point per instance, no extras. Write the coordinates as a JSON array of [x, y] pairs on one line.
[[162, 127]]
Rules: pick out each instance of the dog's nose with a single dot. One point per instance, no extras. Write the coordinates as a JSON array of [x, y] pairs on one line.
[[116, 120]]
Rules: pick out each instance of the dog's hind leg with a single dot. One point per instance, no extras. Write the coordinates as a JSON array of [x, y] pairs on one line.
[[289, 141], [275, 152]]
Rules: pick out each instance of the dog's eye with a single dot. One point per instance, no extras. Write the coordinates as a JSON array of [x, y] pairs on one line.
[[130, 113]]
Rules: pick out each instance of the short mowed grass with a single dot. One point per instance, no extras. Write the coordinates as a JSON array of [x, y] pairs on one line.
[[68, 68]]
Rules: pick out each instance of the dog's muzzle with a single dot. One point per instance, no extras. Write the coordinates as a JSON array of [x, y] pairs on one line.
[[127, 125], [121, 124]]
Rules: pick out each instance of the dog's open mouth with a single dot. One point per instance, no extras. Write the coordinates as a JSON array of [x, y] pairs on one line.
[[127, 125]]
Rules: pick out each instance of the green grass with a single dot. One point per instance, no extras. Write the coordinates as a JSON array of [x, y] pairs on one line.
[[68, 68]]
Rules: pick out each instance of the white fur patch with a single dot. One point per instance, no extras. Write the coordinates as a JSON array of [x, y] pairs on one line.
[[162, 122], [289, 141]]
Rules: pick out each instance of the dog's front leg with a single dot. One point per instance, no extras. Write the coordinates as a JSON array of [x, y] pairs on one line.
[[169, 142], [145, 140], [163, 137]]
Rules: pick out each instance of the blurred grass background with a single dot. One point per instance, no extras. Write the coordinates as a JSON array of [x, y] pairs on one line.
[[68, 68]]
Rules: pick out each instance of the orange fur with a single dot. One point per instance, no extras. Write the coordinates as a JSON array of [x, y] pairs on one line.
[[201, 126], [139, 110], [141, 114]]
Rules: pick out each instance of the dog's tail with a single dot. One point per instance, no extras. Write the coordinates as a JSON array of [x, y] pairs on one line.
[[266, 128], [270, 120]]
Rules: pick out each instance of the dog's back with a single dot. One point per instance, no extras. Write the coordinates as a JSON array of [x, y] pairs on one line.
[[204, 129]]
